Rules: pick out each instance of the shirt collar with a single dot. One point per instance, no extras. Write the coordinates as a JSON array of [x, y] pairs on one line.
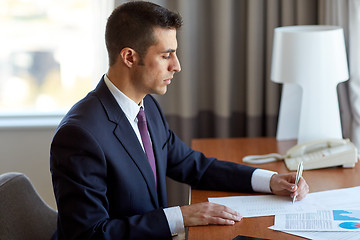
[[129, 107]]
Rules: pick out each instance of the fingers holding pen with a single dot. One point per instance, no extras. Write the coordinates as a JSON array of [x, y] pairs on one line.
[[301, 190], [284, 184]]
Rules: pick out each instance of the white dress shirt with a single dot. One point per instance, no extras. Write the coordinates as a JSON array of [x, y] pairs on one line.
[[260, 180]]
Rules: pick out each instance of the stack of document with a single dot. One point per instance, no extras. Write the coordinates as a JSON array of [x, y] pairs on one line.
[[333, 214]]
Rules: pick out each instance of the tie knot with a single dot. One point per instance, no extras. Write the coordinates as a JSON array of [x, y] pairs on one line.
[[141, 115]]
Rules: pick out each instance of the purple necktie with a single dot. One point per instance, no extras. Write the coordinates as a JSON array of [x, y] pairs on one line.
[[146, 140]]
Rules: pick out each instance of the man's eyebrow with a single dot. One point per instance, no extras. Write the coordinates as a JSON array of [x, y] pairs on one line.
[[169, 51]]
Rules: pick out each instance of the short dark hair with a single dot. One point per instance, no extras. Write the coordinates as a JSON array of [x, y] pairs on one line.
[[132, 25]]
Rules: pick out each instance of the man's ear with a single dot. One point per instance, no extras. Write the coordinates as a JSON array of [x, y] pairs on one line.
[[129, 57]]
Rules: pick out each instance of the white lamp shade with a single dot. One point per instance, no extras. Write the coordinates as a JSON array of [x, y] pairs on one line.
[[302, 54], [314, 58]]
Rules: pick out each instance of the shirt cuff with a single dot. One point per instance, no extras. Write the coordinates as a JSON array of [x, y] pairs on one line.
[[176, 222], [260, 180]]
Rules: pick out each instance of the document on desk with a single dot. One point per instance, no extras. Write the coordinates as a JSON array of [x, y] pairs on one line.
[[326, 235], [346, 198], [265, 205], [322, 220]]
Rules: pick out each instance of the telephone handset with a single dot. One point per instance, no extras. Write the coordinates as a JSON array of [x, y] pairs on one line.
[[316, 154]]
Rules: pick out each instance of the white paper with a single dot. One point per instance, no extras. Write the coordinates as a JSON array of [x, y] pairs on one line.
[[344, 198], [322, 220], [267, 205], [264, 205]]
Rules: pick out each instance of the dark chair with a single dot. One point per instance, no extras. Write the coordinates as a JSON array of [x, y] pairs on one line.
[[23, 214]]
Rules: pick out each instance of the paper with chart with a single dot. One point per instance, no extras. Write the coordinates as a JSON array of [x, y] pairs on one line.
[[322, 220], [326, 235], [265, 205], [346, 198]]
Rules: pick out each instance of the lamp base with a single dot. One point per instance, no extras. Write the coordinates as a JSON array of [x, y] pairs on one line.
[[289, 114], [308, 114]]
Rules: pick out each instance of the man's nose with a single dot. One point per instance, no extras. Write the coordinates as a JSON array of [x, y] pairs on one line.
[[175, 66]]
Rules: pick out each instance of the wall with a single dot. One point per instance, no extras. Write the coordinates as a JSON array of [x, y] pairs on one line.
[[26, 150]]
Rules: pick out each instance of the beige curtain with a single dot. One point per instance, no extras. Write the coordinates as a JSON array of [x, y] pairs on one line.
[[354, 65], [346, 13]]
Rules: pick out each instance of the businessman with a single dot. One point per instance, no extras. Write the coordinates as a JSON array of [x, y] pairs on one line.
[[111, 153]]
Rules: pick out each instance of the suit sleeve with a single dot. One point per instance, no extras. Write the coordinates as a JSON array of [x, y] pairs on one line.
[[79, 174], [192, 167], [201, 172]]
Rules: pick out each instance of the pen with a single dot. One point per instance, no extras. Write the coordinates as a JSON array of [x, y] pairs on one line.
[[298, 176]]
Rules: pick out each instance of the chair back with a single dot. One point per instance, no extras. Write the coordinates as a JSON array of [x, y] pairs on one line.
[[23, 213]]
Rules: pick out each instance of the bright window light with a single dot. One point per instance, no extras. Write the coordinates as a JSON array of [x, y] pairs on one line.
[[48, 53]]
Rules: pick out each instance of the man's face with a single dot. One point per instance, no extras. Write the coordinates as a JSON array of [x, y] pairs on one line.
[[159, 64]]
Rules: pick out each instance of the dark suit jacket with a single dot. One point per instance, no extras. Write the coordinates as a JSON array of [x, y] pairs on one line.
[[103, 183]]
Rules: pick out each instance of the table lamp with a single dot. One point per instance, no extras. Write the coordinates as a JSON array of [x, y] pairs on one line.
[[310, 61]]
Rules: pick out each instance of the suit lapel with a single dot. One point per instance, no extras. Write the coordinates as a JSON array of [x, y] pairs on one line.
[[129, 141], [127, 137]]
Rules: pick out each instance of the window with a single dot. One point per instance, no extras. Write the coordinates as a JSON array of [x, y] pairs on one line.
[[52, 53]]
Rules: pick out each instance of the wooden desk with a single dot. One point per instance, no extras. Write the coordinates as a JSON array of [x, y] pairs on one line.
[[234, 150]]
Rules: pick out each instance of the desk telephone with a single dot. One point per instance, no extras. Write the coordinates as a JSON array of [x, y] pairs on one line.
[[314, 154]]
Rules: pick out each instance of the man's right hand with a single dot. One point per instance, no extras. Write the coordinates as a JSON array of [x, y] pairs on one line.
[[207, 213]]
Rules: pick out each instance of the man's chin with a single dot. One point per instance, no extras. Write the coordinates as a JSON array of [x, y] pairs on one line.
[[161, 91]]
